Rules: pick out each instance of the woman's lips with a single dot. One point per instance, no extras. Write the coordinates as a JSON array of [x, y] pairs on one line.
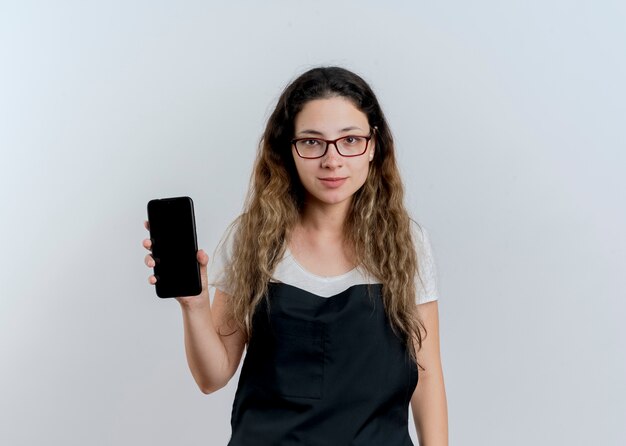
[[333, 182]]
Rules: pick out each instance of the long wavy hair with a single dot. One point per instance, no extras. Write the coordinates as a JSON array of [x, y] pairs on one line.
[[377, 225]]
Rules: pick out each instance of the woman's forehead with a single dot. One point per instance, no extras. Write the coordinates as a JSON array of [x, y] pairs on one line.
[[330, 116]]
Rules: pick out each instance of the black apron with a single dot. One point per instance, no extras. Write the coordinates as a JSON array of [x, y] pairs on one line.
[[323, 371]]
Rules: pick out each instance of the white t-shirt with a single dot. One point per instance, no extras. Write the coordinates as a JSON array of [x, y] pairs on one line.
[[289, 271]]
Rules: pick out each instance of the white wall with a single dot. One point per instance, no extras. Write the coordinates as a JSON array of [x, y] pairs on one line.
[[509, 119]]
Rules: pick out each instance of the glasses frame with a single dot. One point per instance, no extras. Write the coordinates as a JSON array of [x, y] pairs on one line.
[[334, 142]]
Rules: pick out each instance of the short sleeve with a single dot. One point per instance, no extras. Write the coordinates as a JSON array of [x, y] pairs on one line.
[[216, 270], [426, 288]]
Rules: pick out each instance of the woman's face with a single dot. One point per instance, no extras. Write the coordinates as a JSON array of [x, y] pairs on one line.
[[332, 178]]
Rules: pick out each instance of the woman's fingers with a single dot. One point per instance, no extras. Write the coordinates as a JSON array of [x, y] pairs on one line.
[[148, 260], [147, 243]]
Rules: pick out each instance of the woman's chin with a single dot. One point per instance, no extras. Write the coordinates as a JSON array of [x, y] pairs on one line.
[[329, 199]]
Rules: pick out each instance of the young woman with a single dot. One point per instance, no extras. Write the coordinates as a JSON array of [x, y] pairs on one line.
[[327, 282]]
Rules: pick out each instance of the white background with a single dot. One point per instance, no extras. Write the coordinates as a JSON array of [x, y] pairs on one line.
[[509, 120]]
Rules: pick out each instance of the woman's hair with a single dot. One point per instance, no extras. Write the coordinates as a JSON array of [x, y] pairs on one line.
[[377, 225]]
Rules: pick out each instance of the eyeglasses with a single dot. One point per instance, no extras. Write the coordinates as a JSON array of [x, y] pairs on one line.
[[351, 145]]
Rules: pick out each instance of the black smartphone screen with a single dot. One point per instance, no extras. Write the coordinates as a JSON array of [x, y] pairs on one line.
[[174, 247]]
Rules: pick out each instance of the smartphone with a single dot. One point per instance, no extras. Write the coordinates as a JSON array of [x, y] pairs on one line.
[[174, 247]]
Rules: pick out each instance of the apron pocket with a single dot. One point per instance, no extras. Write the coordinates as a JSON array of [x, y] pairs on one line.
[[299, 357]]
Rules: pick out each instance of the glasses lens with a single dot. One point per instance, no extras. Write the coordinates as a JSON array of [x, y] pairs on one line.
[[310, 148], [352, 145]]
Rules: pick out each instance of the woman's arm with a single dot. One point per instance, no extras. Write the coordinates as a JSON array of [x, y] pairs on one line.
[[212, 359], [428, 403]]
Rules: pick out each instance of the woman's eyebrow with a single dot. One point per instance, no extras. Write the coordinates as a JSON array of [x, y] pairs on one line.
[[316, 132], [347, 129], [311, 132]]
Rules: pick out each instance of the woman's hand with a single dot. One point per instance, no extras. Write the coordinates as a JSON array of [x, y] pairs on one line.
[[203, 260]]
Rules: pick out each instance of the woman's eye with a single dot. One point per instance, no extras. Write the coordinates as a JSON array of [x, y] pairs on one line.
[[353, 139], [311, 142]]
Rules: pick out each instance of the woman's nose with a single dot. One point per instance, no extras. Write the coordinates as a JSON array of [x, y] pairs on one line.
[[332, 157]]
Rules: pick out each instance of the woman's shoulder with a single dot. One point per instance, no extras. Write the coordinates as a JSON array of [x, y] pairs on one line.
[[222, 255], [419, 234], [426, 281]]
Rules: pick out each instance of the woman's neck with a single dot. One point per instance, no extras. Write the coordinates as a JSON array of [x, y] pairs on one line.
[[321, 227], [325, 219]]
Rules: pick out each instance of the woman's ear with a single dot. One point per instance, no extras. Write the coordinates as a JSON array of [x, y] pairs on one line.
[[373, 144]]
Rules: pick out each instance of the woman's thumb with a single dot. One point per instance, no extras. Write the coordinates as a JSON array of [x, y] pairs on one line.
[[203, 258]]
